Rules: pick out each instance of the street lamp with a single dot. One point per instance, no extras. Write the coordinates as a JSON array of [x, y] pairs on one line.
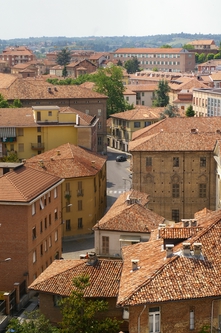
[[6, 259], [125, 179], [61, 212]]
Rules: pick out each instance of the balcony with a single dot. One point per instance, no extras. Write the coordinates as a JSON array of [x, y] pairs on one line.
[[37, 146], [80, 192]]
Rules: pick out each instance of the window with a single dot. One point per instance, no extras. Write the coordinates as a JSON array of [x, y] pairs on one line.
[[49, 241], [56, 236], [175, 161], [68, 225], [20, 131], [34, 257], [99, 125], [41, 227], [34, 233], [57, 299], [38, 129], [49, 197], [154, 320], [33, 208], [41, 204], [21, 147], [80, 223], [99, 112], [202, 162], [46, 245], [41, 249], [45, 200], [55, 192], [175, 215], [137, 124], [49, 113], [175, 190], [55, 214], [191, 319], [105, 245], [79, 204], [46, 223], [148, 161], [99, 141], [49, 219], [202, 190]]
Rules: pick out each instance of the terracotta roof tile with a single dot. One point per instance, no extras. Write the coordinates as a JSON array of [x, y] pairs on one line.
[[127, 214], [31, 88], [178, 277], [24, 184], [71, 161], [140, 112], [104, 277]]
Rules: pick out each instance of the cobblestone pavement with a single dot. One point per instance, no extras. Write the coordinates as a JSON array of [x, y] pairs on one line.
[[72, 248]]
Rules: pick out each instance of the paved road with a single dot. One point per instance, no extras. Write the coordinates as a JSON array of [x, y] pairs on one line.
[[76, 246], [116, 172]]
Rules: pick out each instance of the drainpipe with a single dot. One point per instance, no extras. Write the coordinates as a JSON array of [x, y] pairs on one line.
[[138, 321]]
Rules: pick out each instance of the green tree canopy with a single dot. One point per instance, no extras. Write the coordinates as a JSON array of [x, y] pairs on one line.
[[5, 104], [34, 323], [161, 97], [64, 72], [79, 313], [190, 112], [109, 81], [210, 56], [171, 111], [63, 57], [132, 65], [188, 47], [201, 58], [166, 46], [217, 56]]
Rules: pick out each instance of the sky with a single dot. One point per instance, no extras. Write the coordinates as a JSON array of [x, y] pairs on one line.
[[83, 18]]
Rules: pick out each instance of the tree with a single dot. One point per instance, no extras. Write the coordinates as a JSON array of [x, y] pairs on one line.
[[188, 47], [210, 56], [16, 104], [132, 65], [63, 57], [170, 112], [190, 112], [217, 56], [3, 102], [64, 72], [11, 157], [119, 63], [79, 315], [166, 46], [108, 81], [201, 58], [35, 323], [161, 94]]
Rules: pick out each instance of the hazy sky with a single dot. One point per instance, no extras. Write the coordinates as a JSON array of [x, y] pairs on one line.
[[78, 18]]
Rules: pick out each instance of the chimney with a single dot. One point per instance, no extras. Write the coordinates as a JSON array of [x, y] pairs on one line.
[[194, 130], [197, 247], [185, 223], [186, 249], [92, 259], [193, 223], [135, 263], [58, 152], [161, 226], [169, 250], [41, 164]]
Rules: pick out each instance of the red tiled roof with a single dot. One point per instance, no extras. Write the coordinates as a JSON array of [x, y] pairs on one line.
[[32, 88], [104, 277], [130, 216], [71, 161], [140, 112], [24, 184], [179, 277], [148, 50]]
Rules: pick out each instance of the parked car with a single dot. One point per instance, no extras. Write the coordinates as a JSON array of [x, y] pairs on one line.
[[121, 158]]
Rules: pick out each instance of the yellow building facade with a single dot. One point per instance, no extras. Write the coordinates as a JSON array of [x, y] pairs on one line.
[[83, 198], [32, 131]]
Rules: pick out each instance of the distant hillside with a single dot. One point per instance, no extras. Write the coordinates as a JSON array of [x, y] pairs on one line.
[[106, 44]]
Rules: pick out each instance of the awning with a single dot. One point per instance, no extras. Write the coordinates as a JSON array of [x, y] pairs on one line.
[[131, 239]]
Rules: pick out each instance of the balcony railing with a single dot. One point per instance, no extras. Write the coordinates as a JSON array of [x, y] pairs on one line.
[[37, 146]]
